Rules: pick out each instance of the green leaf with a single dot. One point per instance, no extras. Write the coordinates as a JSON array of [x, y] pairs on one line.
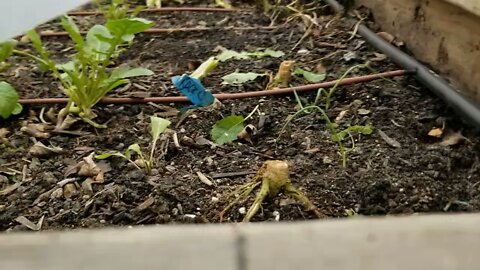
[[309, 76], [158, 126], [230, 54], [126, 72], [267, 53], [227, 129], [72, 29], [111, 154], [6, 49], [340, 136], [205, 68], [223, 3], [98, 42], [8, 100], [37, 43], [18, 109], [238, 78], [128, 27], [133, 148]]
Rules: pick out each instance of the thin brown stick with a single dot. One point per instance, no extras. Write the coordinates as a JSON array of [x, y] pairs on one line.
[[165, 9], [264, 93], [171, 30]]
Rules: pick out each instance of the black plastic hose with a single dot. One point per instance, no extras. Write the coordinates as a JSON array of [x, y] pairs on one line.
[[462, 105]]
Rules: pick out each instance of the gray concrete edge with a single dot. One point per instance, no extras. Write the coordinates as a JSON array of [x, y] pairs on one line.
[[415, 242]]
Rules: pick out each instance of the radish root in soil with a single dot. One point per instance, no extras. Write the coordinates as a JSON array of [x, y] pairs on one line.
[[272, 178]]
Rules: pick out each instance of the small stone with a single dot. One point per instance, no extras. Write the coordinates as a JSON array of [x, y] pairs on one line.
[[136, 175], [192, 216], [215, 199], [327, 160], [276, 215], [50, 178], [69, 190], [302, 51], [242, 210], [57, 193]]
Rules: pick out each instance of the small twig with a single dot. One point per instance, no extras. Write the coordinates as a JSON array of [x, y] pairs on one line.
[[231, 174], [66, 181]]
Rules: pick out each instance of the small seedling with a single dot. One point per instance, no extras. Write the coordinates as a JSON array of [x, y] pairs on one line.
[[8, 100], [227, 129], [272, 178], [157, 127], [336, 136], [88, 77]]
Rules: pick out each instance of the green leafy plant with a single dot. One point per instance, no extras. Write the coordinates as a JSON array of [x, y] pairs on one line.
[[8, 100], [157, 127], [88, 76], [336, 135], [227, 129], [118, 9]]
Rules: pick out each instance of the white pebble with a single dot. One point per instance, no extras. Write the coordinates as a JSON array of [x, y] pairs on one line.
[[215, 199], [276, 214], [242, 210]]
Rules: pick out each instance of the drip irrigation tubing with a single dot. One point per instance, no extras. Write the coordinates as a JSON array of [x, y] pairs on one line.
[[165, 9], [171, 30], [229, 96], [465, 107]]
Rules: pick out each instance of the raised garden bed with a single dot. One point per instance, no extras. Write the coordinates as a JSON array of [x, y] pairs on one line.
[[403, 167]]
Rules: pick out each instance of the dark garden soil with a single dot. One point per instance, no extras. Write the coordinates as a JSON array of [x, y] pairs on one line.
[[407, 172]]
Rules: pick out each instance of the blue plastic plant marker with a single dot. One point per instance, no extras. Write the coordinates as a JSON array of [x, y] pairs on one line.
[[194, 90]]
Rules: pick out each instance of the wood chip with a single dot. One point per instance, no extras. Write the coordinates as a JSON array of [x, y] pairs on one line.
[[436, 132], [10, 189], [145, 204], [204, 179], [390, 141], [27, 223]]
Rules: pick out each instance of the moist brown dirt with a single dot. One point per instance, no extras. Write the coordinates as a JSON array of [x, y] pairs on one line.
[[419, 176]]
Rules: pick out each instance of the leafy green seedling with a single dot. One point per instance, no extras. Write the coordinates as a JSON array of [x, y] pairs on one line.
[[8, 101], [231, 54], [309, 76], [205, 68], [238, 78], [340, 136], [157, 127], [227, 129], [88, 76]]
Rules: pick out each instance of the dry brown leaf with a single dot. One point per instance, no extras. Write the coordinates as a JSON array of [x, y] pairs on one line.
[[378, 57], [386, 36], [321, 69], [88, 167], [247, 133], [436, 132], [68, 122], [37, 130], [41, 150], [453, 139]]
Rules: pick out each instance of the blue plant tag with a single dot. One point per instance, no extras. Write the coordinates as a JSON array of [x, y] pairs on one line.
[[194, 90]]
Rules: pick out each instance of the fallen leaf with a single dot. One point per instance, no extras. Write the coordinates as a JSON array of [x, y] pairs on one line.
[[37, 130], [386, 36], [41, 150], [453, 139], [247, 133], [238, 78], [436, 132], [204, 179], [390, 141]]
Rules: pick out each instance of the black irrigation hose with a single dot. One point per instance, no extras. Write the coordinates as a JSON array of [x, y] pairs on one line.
[[464, 106]]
